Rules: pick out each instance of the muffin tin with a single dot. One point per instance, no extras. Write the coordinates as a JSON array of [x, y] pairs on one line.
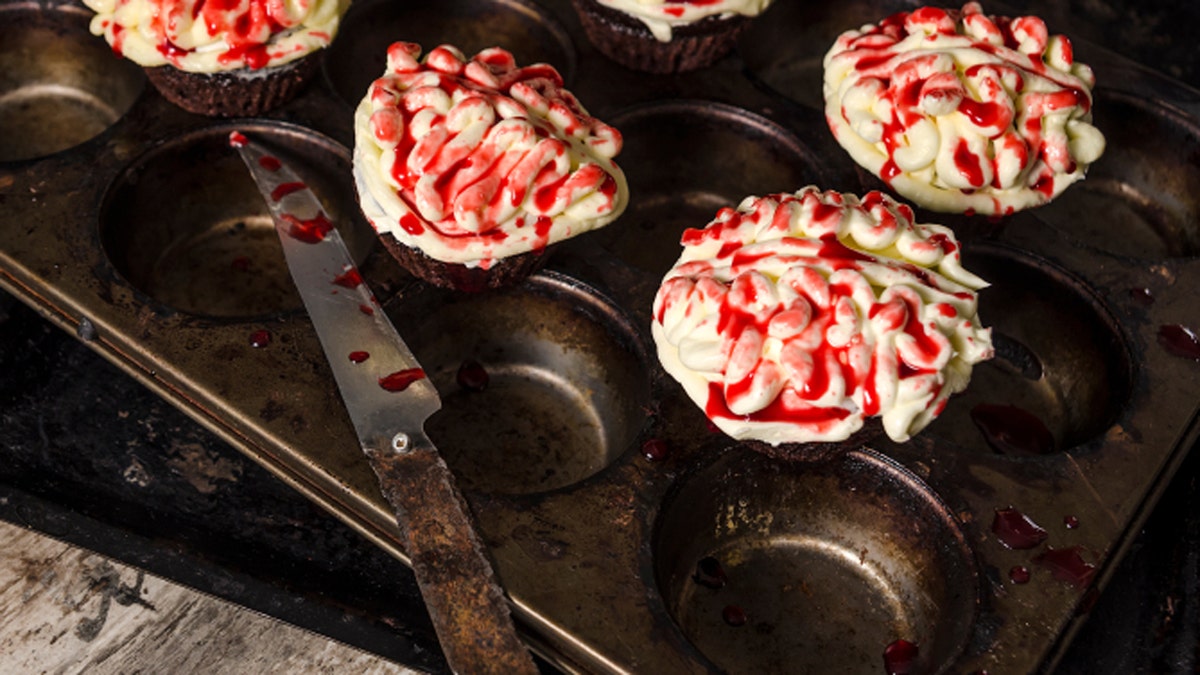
[[629, 534]]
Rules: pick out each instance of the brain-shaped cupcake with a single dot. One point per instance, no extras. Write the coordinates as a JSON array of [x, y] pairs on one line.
[[796, 317], [962, 112], [474, 160]]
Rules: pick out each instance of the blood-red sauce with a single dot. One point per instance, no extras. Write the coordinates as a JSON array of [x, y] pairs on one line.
[[348, 279], [1179, 341], [401, 379], [284, 189], [900, 658], [311, 231], [1016, 530]]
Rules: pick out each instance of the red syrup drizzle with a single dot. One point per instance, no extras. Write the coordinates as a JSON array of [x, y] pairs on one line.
[[312, 231], [472, 376], [655, 449], [1019, 574], [734, 616], [900, 658], [401, 379], [260, 338], [1015, 530], [1009, 430], [1066, 564], [359, 357], [709, 573], [1179, 341]]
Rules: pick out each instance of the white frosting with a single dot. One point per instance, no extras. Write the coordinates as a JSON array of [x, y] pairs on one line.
[[209, 36], [472, 161], [961, 112], [661, 16], [796, 317]]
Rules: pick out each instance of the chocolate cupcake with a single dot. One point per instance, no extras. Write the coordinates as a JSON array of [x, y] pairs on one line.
[[660, 36], [962, 112], [801, 321], [470, 168], [212, 59]]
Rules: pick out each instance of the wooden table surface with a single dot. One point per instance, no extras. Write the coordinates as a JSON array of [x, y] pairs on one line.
[[64, 609]]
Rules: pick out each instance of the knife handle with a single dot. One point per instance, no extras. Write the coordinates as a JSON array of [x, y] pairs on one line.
[[469, 610]]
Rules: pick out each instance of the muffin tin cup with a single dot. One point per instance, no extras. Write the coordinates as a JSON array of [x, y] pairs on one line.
[[600, 488]]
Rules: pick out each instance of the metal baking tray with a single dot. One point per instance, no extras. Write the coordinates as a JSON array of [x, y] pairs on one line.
[[630, 535]]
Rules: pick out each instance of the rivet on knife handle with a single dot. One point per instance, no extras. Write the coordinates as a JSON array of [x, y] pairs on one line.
[[388, 398]]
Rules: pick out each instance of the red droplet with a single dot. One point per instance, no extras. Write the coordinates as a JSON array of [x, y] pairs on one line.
[[348, 279], [1019, 574], [709, 573], [1071, 522], [900, 658], [237, 139], [270, 163], [359, 357], [312, 231], [1009, 430], [1015, 530], [655, 449], [1179, 341], [284, 189], [260, 338], [734, 616], [472, 376], [367, 309], [1066, 564], [401, 379]]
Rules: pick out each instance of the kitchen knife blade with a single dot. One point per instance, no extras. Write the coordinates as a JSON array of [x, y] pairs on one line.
[[388, 398]]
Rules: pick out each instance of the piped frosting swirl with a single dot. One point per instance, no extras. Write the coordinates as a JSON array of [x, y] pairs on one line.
[[962, 112], [473, 160], [796, 317]]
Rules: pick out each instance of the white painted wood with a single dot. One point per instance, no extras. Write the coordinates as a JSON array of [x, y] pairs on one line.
[[64, 610]]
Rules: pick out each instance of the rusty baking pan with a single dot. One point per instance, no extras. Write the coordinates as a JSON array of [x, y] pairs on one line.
[[629, 535]]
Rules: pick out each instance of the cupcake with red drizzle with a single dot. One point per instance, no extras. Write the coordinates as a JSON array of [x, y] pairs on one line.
[[470, 168], [961, 112], [221, 57], [805, 322]]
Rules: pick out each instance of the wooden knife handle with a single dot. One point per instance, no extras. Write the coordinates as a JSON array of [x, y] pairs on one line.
[[469, 610]]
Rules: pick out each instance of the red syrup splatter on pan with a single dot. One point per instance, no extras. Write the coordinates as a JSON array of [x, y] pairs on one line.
[[734, 616], [655, 449], [472, 376], [311, 231], [1179, 341], [709, 573], [1066, 564], [401, 379], [359, 357], [284, 189], [348, 279], [237, 139], [270, 163], [1015, 530], [260, 338], [1019, 574], [1010, 430], [900, 658]]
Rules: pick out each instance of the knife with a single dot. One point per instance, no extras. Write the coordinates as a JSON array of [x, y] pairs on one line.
[[389, 398]]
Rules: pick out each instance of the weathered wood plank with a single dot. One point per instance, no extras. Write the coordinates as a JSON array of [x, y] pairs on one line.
[[67, 610]]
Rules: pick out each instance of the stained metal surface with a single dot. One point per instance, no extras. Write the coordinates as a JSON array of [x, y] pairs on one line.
[[593, 543]]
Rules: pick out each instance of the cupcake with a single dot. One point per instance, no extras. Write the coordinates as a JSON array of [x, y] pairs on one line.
[[222, 59], [470, 169], [800, 322], [666, 36], [961, 112]]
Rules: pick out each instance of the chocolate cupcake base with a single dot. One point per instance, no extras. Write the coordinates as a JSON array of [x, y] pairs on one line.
[[241, 93], [629, 42], [503, 272], [819, 452]]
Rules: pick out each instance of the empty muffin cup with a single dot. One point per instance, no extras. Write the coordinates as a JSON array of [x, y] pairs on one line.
[[59, 85], [687, 159], [186, 225], [523, 28], [770, 566], [543, 385], [1062, 371]]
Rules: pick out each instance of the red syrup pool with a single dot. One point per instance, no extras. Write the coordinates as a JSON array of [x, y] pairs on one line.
[[472, 376], [1015, 530], [1019, 574], [655, 449], [359, 357], [1179, 341], [900, 658], [1010, 430]]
